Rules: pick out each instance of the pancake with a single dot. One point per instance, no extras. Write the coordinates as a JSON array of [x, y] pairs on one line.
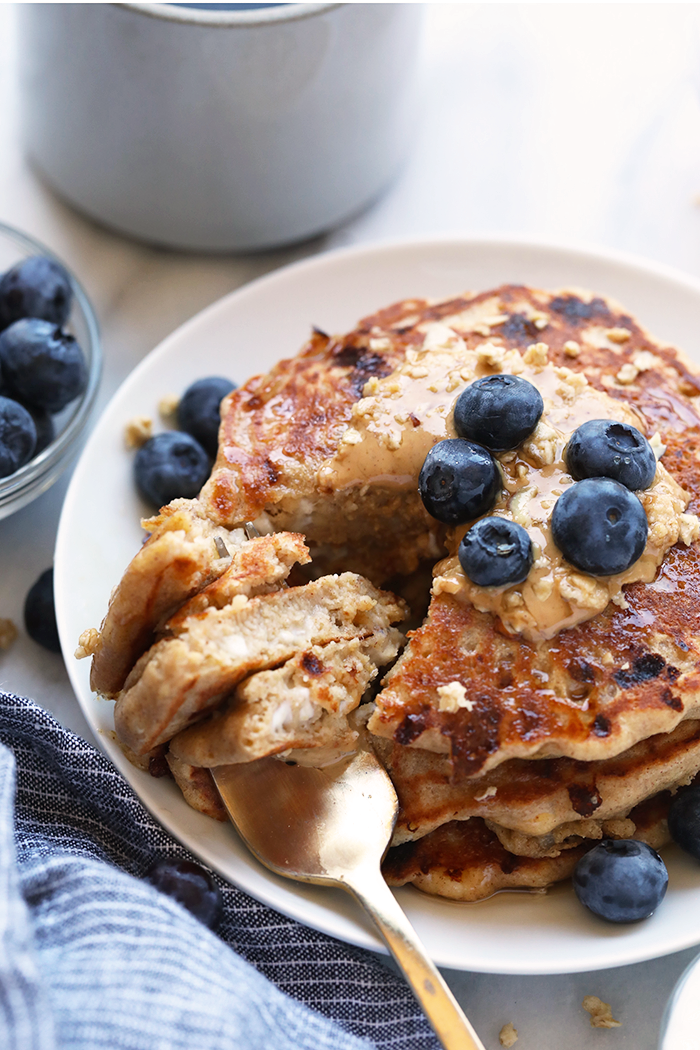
[[303, 704], [542, 801], [202, 656], [465, 861]]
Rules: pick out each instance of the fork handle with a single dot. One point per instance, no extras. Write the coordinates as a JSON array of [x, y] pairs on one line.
[[439, 1005]]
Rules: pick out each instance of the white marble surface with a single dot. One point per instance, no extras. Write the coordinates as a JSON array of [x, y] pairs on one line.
[[563, 121]]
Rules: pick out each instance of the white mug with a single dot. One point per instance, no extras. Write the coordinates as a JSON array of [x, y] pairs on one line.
[[200, 127]]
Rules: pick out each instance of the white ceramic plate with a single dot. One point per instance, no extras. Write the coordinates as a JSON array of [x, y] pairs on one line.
[[99, 532]]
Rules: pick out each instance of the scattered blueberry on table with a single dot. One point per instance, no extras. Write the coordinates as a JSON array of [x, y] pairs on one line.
[[190, 885], [621, 880], [198, 410], [599, 526], [459, 481], [495, 552], [169, 466], [604, 448], [498, 412], [40, 613]]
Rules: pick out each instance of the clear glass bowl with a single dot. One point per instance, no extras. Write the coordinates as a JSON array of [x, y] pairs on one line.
[[39, 474]]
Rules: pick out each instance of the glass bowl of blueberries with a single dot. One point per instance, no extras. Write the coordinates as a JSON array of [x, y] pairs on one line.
[[50, 367]]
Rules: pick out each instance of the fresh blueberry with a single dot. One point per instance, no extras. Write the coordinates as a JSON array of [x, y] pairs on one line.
[[41, 364], [495, 552], [17, 436], [684, 820], [190, 885], [40, 614], [621, 880], [198, 410], [170, 465], [36, 287], [599, 526], [603, 448], [458, 481], [45, 427], [498, 411]]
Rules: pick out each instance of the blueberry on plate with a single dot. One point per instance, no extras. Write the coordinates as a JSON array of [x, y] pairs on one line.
[[684, 820], [198, 410], [458, 481], [17, 436], [495, 552], [621, 880], [41, 364], [169, 466], [599, 526], [190, 885], [40, 613], [498, 411], [36, 287], [604, 448]]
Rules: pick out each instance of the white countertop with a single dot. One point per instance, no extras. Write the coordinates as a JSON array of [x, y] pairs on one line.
[[571, 122]]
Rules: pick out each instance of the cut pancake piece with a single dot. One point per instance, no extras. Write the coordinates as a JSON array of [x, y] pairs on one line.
[[590, 693], [465, 861], [198, 788], [537, 798], [202, 657], [303, 704], [184, 553]]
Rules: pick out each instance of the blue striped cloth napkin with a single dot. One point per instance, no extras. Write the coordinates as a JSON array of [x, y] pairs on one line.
[[93, 957]]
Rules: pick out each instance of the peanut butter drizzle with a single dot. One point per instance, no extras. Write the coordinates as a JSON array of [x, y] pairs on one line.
[[401, 417]]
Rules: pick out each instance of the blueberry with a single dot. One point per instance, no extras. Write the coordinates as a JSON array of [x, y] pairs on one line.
[[495, 552], [36, 287], [603, 448], [41, 364], [40, 614], [190, 885], [621, 880], [684, 820], [458, 481], [599, 526], [169, 466], [498, 411], [198, 410], [45, 427], [17, 436]]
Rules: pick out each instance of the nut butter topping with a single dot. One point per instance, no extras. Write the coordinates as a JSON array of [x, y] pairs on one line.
[[401, 416]]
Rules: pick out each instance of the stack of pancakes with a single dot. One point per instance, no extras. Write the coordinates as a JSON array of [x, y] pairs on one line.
[[517, 727]]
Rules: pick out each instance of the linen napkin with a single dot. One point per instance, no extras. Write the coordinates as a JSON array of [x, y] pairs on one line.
[[93, 957]]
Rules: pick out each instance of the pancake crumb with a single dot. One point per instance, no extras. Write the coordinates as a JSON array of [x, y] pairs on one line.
[[601, 1014], [138, 431], [572, 348], [87, 643], [8, 633], [508, 1034], [627, 374]]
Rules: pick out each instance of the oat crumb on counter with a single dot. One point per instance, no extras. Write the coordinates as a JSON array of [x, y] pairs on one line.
[[8, 633], [601, 1014], [167, 408], [508, 1034], [87, 643], [138, 431]]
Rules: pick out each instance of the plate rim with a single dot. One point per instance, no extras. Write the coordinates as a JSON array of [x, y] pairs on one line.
[[295, 904]]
